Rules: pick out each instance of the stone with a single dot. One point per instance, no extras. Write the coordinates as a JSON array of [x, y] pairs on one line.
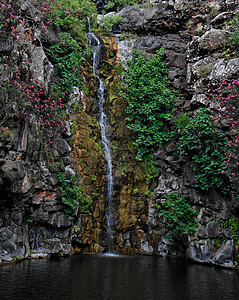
[[125, 51], [213, 230], [40, 67], [224, 69], [26, 184], [201, 251], [212, 40], [69, 171], [39, 255], [12, 171], [164, 246], [152, 219], [132, 18], [146, 248], [61, 148], [224, 255], [58, 220], [202, 232]]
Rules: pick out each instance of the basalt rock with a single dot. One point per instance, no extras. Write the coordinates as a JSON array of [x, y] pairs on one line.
[[33, 220]]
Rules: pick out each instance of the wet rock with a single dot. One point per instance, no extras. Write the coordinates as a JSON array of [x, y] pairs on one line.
[[224, 255], [201, 251], [146, 248], [152, 219], [124, 51], [69, 171], [125, 238], [39, 255], [58, 220], [163, 246]]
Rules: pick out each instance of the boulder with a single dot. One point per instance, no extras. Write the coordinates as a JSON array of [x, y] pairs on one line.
[[12, 171], [212, 40], [201, 251], [224, 255]]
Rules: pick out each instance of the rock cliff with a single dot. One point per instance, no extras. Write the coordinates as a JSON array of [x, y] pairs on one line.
[[33, 219]]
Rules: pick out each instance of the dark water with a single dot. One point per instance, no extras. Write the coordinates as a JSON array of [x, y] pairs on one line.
[[115, 278]]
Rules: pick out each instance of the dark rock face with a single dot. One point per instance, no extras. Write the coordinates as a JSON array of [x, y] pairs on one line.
[[195, 66], [32, 219], [32, 222]]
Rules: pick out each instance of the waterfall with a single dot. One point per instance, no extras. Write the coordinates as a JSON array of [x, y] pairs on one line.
[[94, 43]]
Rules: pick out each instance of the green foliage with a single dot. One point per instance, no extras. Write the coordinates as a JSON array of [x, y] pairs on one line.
[[135, 192], [150, 102], [56, 166], [200, 32], [18, 258], [117, 4], [206, 146], [150, 167], [108, 22], [234, 37], [71, 16], [71, 194], [68, 54], [125, 35], [205, 70], [182, 121], [232, 225], [177, 213], [218, 242]]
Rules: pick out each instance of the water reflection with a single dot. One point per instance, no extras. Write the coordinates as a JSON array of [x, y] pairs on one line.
[[116, 278]]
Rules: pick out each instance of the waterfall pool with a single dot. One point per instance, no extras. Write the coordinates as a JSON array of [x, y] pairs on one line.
[[116, 277]]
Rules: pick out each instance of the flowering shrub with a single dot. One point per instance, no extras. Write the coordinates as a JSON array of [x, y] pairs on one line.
[[9, 23], [227, 96], [71, 15], [28, 99]]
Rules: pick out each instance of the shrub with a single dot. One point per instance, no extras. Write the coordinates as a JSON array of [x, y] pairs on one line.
[[117, 4], [67, 55], [232, 225], [150, 102], [227, 97], [206, 146], [70, 15], [72, 197], [108, 22], [234, 36], [177, 214]]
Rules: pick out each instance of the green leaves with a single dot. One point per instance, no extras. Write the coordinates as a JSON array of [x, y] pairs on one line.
[[178, 214], [234, 36], [71, 194], [232, 225], [206, 146], [67, 55], [71, 15], [150, 102]]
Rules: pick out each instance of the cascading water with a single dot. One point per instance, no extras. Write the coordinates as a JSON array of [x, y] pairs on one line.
[[94, 43]]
